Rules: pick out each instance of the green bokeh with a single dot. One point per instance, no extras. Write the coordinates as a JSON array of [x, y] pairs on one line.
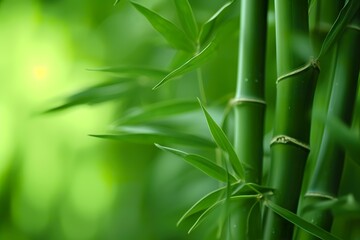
[[56, 182]]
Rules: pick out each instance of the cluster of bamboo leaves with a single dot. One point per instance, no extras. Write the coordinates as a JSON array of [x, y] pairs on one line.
[[317, 51]]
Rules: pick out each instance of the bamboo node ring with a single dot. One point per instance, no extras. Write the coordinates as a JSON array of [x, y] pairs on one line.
[[313, 63], [283, 139], [353, 26], [238, 101], [319, 195]]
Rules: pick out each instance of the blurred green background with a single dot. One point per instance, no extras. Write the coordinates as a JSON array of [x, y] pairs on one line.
[[56, 182]]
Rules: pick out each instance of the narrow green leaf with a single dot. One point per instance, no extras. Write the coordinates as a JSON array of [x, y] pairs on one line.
[[253, 188], [301, 223], [196, 61], [345, 16], [187, 18], [96, 94], [209, 28], [232, 191], [116, 2], [152, 134], [167, 29], [204, 214], [201, 163], [223, 142], [350, 207], [345, 137], [218, 203], [133, 72], [341, 205], [158, 111], [209, 200]]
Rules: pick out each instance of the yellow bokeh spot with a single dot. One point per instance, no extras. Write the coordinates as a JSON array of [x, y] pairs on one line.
[[40, 72]]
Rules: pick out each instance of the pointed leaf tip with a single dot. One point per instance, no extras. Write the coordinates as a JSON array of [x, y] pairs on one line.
[[300, 222], [194, 62], [173, 35], [202, 163], [223, 143]]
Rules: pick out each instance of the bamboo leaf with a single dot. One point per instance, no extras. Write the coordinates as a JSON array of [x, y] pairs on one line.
[[230, 191], [209, 200], [167, 29], [301, 223], [96, 94], [218, 203], [201, 163], [152, 134], [158, 111], [345, 16], [223, 142], [342, 205], [196, 61], [132, 72], [350, 207], [345, 137], [253, 188], [187, 18], [204, 214], [209, 28]]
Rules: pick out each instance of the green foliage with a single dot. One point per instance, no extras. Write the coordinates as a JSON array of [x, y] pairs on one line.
[[157, 111], [97, 94], [194, 62], [210, 27], [344, 205], [187, 18], [346, 15], [309, 227], [223, 143], [203, 164], [133, 72], [164, 118], [151, 134], [168, 30], [345, 138]]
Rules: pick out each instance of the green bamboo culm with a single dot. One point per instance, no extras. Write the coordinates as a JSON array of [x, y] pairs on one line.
[[249, 107], [322, 14], [249, 100], [324, 184], [297, 74]]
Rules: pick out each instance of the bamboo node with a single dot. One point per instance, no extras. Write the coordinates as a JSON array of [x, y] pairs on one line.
[[242, 100], [355, 27], [319, 195], [313, 63], [283, 139]]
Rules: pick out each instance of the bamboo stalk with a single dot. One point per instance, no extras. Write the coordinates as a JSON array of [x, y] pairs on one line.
[[249, 100], [321, 18], [322, 15], [249, 106], [325, 180], [297, 75]]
